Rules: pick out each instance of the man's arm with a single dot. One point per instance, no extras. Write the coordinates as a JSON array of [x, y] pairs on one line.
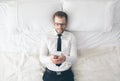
[[44, 52], [45, 57], [73, 51]]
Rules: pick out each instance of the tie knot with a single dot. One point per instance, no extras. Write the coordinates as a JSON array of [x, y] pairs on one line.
[[59, 35]]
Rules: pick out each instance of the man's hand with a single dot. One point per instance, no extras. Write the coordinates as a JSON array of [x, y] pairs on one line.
[[58, 59], [62, 58]]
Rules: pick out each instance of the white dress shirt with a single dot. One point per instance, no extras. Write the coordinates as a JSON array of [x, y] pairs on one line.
[[49, 46]]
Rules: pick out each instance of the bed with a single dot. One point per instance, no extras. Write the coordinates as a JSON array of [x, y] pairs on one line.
[[23, 22]]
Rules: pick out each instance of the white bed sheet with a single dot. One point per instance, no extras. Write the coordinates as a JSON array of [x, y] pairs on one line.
[[98, 64], [92, 64], [98, 39]]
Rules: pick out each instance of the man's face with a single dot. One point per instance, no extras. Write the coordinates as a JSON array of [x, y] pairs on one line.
[[59, 24]]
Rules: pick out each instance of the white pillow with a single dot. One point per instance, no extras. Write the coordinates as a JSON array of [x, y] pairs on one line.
[[8, 14], [89, 15], [36, 16], [37, 0], [8, 24]]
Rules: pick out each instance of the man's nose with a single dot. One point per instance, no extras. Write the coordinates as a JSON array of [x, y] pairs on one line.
[[60, 25]]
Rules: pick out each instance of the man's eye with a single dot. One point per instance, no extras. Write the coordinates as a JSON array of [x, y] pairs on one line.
[[57, 24]]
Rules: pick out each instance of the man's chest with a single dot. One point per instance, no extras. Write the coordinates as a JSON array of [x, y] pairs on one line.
[[52, 43]]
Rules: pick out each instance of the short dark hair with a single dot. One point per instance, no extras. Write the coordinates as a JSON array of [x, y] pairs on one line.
[[60, 14]]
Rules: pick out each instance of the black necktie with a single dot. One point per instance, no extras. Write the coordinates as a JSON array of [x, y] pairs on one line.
[[59, 45], [59, 42]]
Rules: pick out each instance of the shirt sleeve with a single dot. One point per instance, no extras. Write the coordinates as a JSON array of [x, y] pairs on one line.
[[44, 56], [73, 51]]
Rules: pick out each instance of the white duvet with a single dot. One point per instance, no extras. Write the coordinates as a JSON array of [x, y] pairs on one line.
[[93, 64]]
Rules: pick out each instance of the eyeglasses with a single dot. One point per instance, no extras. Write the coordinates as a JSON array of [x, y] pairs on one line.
[[60, 24]]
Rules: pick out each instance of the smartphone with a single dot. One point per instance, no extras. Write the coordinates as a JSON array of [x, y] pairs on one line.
[[57, 54]]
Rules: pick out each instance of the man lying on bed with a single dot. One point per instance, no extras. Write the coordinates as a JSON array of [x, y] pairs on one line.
[[58, 51]]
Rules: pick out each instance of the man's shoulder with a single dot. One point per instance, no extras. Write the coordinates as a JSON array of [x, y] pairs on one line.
[[49, 35], [69, 33]]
